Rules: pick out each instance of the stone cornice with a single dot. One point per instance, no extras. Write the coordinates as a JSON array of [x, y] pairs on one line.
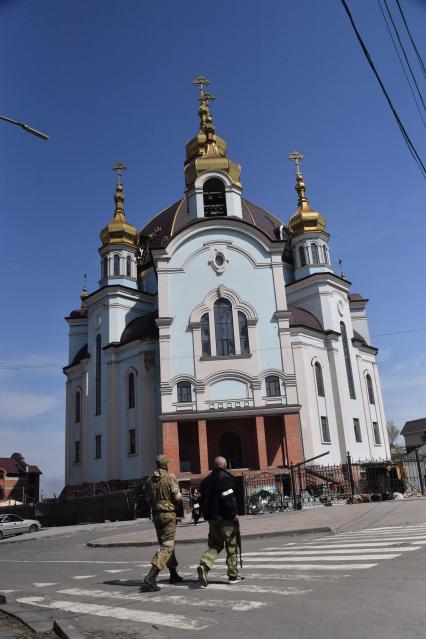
[[251, 411]]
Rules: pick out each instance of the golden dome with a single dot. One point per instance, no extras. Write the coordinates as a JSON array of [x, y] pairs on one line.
[[119, 231], [305, 219], [207, 151]]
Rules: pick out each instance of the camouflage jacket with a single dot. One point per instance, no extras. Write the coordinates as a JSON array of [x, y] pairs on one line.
[[163, 492]]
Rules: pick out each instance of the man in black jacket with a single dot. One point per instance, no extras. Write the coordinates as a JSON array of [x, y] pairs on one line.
[[219, 507]]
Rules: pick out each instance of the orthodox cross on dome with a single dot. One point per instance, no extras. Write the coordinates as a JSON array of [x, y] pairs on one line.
[[201, 82], [204, 99], [84, 292], [119, 168], [296, 157]]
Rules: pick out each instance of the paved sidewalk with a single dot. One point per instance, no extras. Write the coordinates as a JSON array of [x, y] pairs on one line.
[[322, 519]]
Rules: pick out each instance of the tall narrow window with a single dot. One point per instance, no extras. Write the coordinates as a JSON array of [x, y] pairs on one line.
[[98, 371], [319, 380], [184, 392], [205, 335], [116, 264], [131, 391], [370, 389], [132, 441], [77, 408], [348, 361], [315, 254], [244, 338], [325, 431], [98, 446], [376, 433], [214, 198], [224, 326], [302, 256], [325, 253], [129, 266], [76, 452], [357, 430], [105, 266], [272, 384]]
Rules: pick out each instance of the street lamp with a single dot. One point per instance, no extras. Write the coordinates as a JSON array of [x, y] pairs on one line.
[[39, 134]]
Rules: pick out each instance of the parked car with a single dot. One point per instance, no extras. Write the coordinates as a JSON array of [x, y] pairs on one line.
[[15, 525]]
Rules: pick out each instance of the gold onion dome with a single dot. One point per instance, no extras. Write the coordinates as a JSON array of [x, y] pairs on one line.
[[207, 151], [305, 219], [119, 231]]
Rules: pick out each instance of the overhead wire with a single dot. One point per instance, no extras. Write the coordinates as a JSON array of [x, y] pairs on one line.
[[404, 133], [42, 365], [419, 57], [401, 62], [404, 53]]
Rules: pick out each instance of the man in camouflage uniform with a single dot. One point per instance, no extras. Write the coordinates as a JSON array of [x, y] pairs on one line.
[[219, 507], [164, 495]]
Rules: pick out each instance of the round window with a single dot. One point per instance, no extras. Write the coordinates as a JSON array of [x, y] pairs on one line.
[[219, 259]]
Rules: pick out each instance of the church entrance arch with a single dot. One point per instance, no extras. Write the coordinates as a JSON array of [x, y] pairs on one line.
[[231, 448]]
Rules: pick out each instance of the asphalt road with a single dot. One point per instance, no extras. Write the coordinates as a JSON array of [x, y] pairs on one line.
[[347, 585]]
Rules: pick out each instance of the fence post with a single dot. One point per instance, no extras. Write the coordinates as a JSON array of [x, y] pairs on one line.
[[293, 487], [419, 470], [351, 477]]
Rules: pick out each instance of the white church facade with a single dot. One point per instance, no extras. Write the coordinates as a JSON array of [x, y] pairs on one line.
[[218, 329]]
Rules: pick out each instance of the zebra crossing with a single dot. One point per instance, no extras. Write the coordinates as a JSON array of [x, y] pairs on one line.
[[290, 569]]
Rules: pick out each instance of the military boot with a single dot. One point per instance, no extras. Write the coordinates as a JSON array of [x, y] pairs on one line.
[[174, 577], [202, 571], [151, 579]]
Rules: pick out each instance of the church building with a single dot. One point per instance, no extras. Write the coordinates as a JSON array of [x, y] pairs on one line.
[[218, 328]]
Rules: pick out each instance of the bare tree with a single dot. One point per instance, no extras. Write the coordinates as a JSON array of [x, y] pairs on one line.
[[393, 432]]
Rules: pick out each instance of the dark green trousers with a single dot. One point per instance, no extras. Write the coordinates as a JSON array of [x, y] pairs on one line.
[[221, 535]]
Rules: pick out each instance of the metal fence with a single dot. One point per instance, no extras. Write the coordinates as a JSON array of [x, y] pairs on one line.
[[309, 485]]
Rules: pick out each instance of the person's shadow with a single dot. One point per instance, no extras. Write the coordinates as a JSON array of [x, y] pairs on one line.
[[191, 584]]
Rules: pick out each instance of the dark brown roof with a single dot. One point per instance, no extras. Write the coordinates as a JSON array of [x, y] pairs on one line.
[[78, 312], [82, 354], [359, 337], [12, 467], [301, 317], [414, 426], [175, 217], [143, 327], [356, 297]]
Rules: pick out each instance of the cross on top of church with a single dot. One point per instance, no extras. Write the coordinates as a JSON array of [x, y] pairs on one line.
[[296, 157], [201, 82], [119, 167]]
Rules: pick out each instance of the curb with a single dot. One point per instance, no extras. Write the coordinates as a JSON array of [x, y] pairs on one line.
[[34, 620], [38, 622], [202, 540]]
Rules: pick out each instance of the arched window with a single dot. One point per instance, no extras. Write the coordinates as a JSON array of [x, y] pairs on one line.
[[77, 408], [214, 197], [319, 380], [273, 386], [225, 344], [348, 361], [129, 266], [184, 392], [325, 253], [131, 391], [315, 254], [302, 256], [105, 266], [98, 365], [370, 389], [205, 335], [116, 264], [244, 338]]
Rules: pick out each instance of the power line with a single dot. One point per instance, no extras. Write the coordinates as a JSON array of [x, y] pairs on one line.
[[404, 133], [419, 57], [137, 360], [404, 53], [401, 62]]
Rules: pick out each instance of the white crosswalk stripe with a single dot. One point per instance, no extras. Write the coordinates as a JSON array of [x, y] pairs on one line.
[[270, 574], [128, 614]]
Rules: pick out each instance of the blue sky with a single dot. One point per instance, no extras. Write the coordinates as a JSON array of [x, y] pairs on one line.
[[113, 81]]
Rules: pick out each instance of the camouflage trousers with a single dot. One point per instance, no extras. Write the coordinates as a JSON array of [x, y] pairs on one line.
[[221, 534], [165, 527]]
